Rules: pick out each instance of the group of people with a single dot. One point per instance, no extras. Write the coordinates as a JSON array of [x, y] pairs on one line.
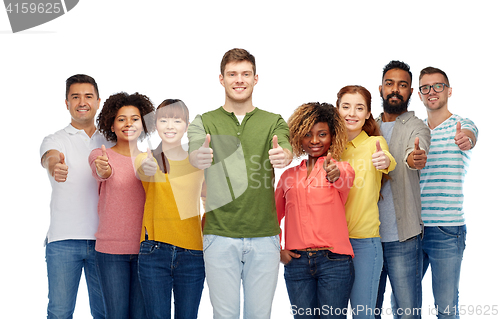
[[371, 199]]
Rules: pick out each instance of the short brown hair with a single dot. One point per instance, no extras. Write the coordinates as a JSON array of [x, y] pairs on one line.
[[433, 70], [237, 55]]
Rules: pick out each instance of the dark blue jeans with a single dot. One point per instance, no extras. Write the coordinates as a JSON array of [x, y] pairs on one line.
[[319, 284], [164, 268], [403, 266], [120, 286]]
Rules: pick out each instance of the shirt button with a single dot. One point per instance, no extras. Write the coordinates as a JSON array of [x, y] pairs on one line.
[[238, 133]]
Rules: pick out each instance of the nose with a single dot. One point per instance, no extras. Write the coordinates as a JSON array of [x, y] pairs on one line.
[[314, 139]]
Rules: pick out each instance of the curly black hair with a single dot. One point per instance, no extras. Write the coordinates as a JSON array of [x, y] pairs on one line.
[[395, 64], [306, 116], [116, 101]]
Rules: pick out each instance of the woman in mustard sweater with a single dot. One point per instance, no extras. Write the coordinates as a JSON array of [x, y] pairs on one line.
[[171, 254]]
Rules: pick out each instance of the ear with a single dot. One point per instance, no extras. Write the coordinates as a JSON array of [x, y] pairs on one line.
[[221, 79], [256, 79], [67, 104], [112, 128], [449, 91], [380, 89], [420, 96]]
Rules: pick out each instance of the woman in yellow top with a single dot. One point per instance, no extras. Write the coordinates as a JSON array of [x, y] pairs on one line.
[[368, 153], [171, 254]]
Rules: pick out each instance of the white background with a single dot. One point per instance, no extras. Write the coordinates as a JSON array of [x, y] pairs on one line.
[[305, 52]]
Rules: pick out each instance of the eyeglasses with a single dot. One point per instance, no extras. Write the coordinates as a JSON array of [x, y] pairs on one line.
[[438, 87]]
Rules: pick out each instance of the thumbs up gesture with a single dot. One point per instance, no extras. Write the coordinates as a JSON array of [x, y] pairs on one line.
[[461, 139], [279, 157], [149, 164], [331, 168], [418, 156], [204, 155], [379, 159], [60, 171], [102, 165]]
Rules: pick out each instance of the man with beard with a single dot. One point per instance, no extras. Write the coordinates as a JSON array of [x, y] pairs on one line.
[[399, 207], [452, 139]]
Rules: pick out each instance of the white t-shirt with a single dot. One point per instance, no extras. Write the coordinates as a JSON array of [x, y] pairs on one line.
[[73, 205]]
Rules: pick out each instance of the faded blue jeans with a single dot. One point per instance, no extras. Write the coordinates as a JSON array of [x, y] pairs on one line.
[[368, 261], [65, 260], [234, 262], [443, 248], [403, 266]]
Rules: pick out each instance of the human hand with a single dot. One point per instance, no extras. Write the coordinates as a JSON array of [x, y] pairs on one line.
[[461, 139], [278, 157], [102, 164], [286, 255], [379, 159], [204, 155], [331, 168], [419, 156], [60, 171], [149, 164]]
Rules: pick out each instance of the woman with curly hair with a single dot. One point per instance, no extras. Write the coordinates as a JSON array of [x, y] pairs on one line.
[[122, 120], [368, 153], [311, 196]]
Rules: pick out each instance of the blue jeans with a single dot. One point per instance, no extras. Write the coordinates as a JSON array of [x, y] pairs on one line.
[[403, 266], [231, 262], [163, 267], [65, 260], [319, 284], [368, 261], [443, 248], [120, 286]]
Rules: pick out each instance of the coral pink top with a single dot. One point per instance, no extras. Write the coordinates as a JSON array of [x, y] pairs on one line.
[[121, 205], [314, 207]]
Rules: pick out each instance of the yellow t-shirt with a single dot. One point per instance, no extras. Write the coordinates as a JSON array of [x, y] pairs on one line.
[[172, 208], [361, 206]]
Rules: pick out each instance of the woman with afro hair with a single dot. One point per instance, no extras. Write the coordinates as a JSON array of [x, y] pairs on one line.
[[123, 120], [318, 256]]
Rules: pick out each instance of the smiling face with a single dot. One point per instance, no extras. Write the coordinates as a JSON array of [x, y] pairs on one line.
[[354, 111], [82, 104], [238, 80], [127, 124], [317, 142], [171, 130], [434, 101]]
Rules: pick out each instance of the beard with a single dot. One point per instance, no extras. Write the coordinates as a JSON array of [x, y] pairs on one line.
[[393, 108]]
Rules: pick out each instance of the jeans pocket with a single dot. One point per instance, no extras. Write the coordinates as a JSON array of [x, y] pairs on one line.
[[276, 241], [337, 257], [452, 231], [208, 241], [147, 247], [195, 253]]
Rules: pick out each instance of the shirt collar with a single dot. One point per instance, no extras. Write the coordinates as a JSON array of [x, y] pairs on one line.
[[70, 129], [402, 118], [358, 140]]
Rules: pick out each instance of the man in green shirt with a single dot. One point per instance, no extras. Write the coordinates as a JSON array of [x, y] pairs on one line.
[[239, 146]]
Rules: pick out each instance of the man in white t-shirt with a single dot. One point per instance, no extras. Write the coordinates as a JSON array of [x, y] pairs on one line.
[[441, 184], [70, 240]]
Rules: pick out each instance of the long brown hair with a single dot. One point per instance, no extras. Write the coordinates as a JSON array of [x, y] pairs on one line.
[[370, 127]]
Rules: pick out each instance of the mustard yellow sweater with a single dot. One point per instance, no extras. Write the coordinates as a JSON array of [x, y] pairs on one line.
[[172, 208]]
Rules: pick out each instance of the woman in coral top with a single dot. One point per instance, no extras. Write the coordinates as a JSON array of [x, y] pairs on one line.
[[318, 256], [368, 153], [121, 203], [171, 255]]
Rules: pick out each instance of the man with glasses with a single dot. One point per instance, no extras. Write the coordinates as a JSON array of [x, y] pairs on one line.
[[452, 138], [399, 207]]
